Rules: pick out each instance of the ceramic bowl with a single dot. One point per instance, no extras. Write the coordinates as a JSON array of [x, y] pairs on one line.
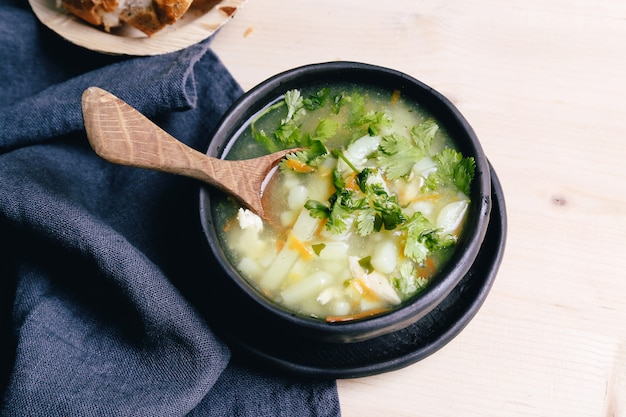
[[250, 312]]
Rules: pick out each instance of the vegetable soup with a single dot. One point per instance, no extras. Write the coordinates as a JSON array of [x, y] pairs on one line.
[[363, 215]]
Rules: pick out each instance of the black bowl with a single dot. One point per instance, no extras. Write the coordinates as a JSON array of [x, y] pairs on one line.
[[247, 310]]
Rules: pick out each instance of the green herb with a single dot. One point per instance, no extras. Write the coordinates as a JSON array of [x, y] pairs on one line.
[[370, 208], [423, 135], [338, 153], [422, 238], [408, 283], [311, 156], [339, 101], [453, 170], [294, 102], [342, 206], [398, 155], [317, 100], [326, 129], [317, 210], [367, 221], [366, 264], [288, 134], [318, 247], [372, 122]]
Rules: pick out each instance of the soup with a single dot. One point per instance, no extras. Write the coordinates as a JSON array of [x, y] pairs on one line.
[[362, 216]]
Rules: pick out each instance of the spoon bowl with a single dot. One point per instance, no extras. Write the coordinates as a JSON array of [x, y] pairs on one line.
[[120, 134]]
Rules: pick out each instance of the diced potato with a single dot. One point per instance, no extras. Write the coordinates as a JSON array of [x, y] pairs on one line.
[[249, 266], [381, 286], [297, 196], [335, 251], [308, 287], [451, 216], [361, 148], [305, 226], [288, 217], [424, 207], [328, 294], [302, 230], [425, 166], [254, 245], [278, 270], [340, 308], [385, 257]]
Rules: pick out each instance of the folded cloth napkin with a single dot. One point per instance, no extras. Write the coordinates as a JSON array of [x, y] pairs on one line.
[[103, 274]]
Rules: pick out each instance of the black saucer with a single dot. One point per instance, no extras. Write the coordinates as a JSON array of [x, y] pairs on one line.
[[323, 360]]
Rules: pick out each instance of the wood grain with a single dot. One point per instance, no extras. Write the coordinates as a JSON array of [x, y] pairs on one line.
[[542, 83], [120, 134]]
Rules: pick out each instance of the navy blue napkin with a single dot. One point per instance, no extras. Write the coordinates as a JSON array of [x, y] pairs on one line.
[[103, 269]]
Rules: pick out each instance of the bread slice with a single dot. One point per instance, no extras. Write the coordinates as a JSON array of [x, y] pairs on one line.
[[148, 16]]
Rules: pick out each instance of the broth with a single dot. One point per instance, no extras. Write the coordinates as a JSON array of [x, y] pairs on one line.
[[363, 217]]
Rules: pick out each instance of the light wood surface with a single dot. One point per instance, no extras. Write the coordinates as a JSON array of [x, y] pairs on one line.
[[543, 83]]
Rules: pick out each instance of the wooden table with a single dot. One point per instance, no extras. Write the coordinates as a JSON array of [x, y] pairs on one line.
[[544, 86]]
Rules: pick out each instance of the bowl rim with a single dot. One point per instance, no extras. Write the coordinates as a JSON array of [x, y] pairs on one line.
[[412, 310]]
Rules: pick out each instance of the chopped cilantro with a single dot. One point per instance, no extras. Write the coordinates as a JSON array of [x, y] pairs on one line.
[[366, 222], [423, 135], [262, 137], [372, 122], [326, 129], [339, 101], [370, 207], [317, 100], [453, 170], [408, 283], [421, 238], [317, 209], [294, 102], [339, 213], [398, 155], [289, 134], [309, 158]]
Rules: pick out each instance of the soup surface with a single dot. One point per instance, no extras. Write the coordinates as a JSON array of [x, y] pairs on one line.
[[362, 217]]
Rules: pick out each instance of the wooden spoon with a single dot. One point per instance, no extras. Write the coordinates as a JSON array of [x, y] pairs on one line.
[[120, 134]]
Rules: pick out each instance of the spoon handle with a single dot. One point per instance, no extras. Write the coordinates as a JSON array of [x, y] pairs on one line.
[[121, 134]]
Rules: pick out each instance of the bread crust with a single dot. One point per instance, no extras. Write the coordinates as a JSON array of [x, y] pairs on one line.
[[148, 18], [90, 10]]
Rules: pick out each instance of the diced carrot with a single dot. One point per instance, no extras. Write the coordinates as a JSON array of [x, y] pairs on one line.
[[366, 292], [428, 269], [229, 224], [321, 227], [395, 96], [357, 316], [427, 197], [295, 244], [351, 182], [298, 166]]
